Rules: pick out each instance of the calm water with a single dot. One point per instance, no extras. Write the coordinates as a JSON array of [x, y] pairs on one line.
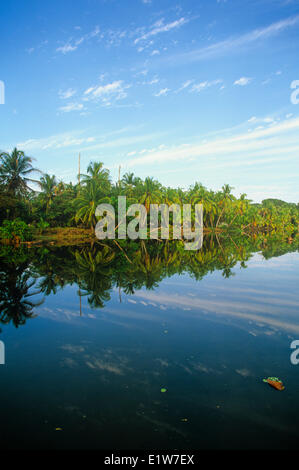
[[87, 370]]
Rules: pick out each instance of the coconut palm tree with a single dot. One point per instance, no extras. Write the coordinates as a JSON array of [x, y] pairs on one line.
[[14, 171], [48, 185], [96, 172], [129, 179], [87, 201], [129, 183], [150, 193], [226, 198]]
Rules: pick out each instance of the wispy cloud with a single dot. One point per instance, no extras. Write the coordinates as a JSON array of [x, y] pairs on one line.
[[271, 142], [153, 81], [198, 87], [64, 95], [243, 81], [66, 48], [228, 45], [65, 139], [162, 92], [73, 44], [185, 85], [71, 107], [160, 27], [108, 93]]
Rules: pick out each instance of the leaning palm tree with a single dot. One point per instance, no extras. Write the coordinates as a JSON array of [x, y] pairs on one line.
[[14, 170]]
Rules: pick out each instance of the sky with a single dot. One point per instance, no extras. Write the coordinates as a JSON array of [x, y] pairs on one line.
[[180, 90]]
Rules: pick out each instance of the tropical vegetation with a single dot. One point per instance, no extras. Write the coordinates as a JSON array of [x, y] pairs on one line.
[[44, 202]]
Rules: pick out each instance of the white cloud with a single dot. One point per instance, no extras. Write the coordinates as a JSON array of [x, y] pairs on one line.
[[266, 82], [243, 81], [72, 45], [160, 27], [162, 92], [108, 93], [264, 120], [153, 81], [66, 139], [71, 107], [64, 95], [279, 139], [228, 45], [185, 85], [66, 48], [115, 87], [201, 86]]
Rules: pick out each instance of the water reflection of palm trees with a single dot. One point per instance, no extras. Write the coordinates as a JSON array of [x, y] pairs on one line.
[[16, 304], [94, 271], [126, 266], [130, 266]]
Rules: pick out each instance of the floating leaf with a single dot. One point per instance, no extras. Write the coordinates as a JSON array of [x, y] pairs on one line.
[[275, 382], [163, 390]]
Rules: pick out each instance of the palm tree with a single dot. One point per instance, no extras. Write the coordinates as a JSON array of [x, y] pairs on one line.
[[150, 193], [129, 183], [170, 196], [14, 170], [129, 179], [181, 196], [226, 199], [96, 172], [87, 201], [48, 185]]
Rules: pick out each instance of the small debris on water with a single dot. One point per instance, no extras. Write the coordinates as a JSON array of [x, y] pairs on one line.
[[275, 382]]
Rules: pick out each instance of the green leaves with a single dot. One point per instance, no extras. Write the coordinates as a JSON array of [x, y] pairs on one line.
[[14, 171], [15, 228]]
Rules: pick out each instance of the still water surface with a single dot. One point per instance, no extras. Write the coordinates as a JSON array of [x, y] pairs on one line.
[[88, 369]]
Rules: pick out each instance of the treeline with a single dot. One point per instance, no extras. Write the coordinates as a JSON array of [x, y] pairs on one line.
[[57, 204]]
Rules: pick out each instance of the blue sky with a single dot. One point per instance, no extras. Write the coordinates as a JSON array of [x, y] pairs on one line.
[[185, 91]]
